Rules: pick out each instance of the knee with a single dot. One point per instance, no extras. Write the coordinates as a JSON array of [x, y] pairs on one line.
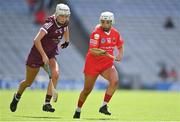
[[26, 83], [114, 83], [55, 75]]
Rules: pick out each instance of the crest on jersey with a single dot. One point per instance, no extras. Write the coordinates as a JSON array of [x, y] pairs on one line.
[[103, 40], [109, 40], [113, 39], [96, 36], [59, 31]]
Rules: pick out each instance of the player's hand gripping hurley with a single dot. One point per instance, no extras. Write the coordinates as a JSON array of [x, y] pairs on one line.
[[54, 91], [103, 52]]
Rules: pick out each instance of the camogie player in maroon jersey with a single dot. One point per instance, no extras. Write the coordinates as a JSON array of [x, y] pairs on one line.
[[44, 50]]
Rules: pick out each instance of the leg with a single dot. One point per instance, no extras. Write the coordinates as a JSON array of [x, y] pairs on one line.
[[88, 86], [111, 75], [30, 76], [55, 76]]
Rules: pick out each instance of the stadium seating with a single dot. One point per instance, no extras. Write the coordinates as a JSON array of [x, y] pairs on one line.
[[17, 33], [141, 23]]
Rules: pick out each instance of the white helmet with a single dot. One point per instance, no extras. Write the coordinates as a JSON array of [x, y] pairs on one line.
[[107, 16], [62, 9]]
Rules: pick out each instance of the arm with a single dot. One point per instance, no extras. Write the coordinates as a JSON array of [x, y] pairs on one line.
[[94, 43], [120, 53], [66, 35], [66, 38], [37, 43]]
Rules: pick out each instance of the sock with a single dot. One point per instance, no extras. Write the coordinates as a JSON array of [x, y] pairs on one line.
[[80, 104], [48, 99], [78, 109], [106, 99], [104, 103], [17, 96]]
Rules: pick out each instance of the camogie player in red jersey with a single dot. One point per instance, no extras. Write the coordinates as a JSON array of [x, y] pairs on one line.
[[107, 38], [44, 50]]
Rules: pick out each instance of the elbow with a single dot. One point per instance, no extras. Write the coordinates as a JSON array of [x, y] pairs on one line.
[[35, 42]]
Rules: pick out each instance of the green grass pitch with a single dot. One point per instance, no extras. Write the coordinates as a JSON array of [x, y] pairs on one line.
[[125, 106]]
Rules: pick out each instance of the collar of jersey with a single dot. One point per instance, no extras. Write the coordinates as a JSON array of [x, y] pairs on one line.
[[108, 33]]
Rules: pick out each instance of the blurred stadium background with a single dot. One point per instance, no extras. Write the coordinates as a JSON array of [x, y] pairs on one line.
[[150, 28]]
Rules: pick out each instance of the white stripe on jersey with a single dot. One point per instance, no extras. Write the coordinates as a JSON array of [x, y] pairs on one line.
[[43, 30]]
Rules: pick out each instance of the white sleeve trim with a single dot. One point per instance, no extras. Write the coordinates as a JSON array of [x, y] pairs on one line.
[[43, 30]]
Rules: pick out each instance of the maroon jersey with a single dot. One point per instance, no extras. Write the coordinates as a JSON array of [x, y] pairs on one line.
[[49, 42]]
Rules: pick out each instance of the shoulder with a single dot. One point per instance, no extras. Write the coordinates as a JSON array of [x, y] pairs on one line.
[[95, 34], [114, 30], [49, 24], [97, 30], [50, 21]]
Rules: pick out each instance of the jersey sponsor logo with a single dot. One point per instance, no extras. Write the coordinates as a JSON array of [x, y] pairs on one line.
[[96, 36], [108, 48], [103, 40], [93, 42], [57, 40]]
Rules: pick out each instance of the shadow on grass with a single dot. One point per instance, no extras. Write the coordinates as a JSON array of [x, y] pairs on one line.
[[104, 119], [39, 117]]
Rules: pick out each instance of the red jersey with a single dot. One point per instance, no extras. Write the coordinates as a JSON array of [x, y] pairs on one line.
[[103, 40]]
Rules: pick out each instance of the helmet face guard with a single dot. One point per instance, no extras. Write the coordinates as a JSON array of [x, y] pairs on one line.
[[62, 24], [106, 25], [62, 10], [106, 20]]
